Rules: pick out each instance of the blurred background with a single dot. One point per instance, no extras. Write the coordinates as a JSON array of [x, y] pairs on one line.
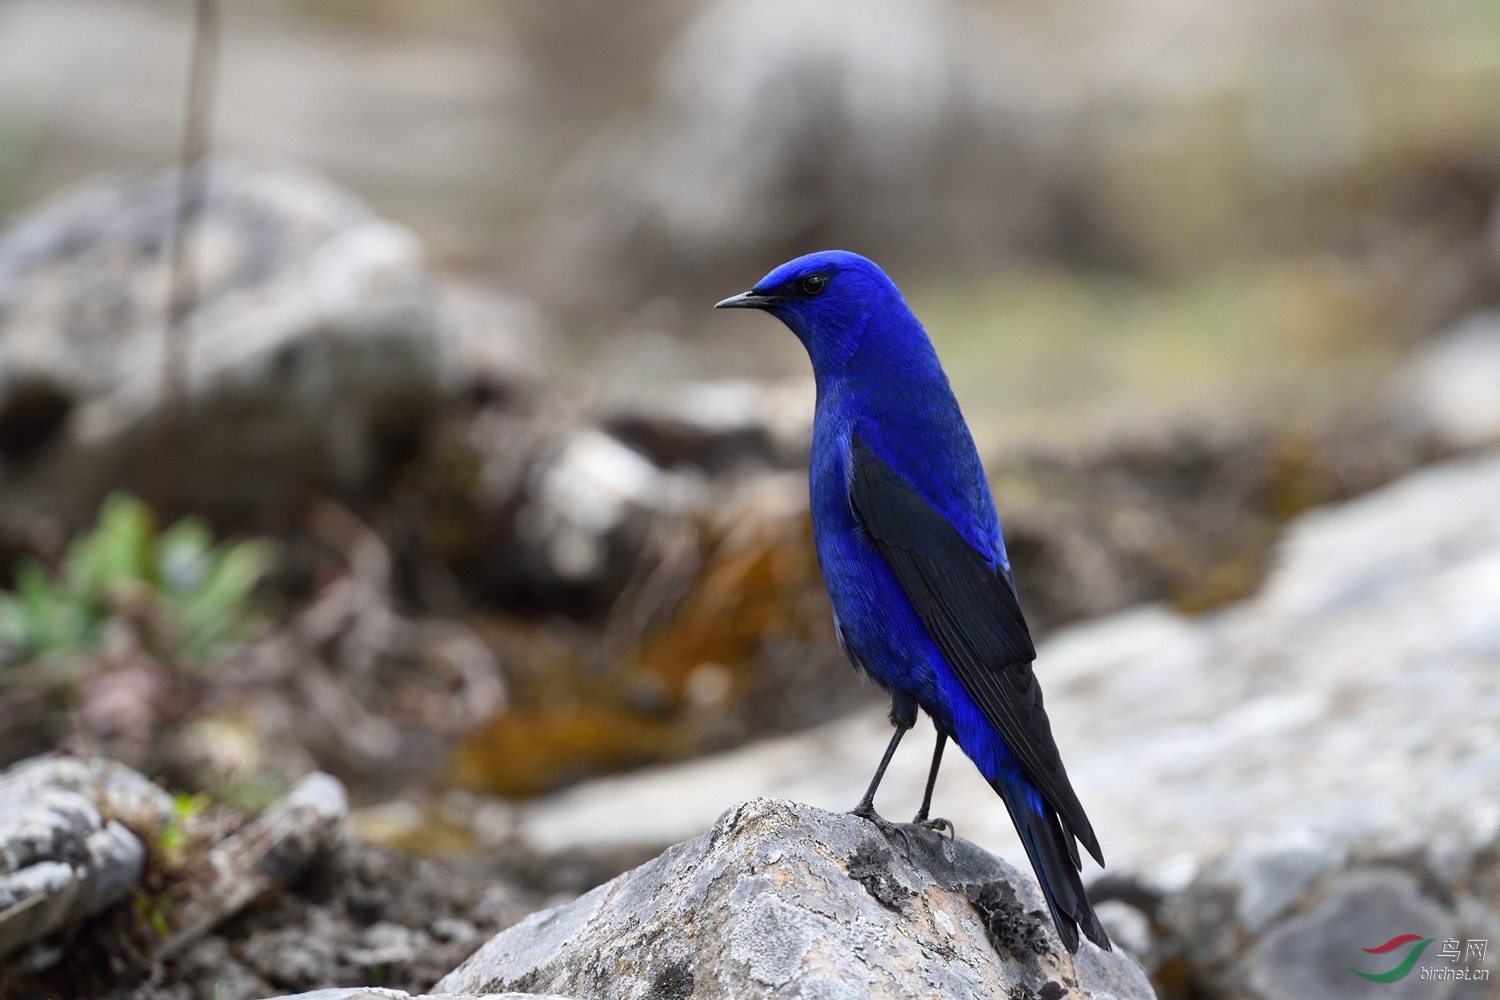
[[445, 477]]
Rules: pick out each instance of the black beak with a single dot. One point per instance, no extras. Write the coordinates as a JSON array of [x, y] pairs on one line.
[[747, 300]]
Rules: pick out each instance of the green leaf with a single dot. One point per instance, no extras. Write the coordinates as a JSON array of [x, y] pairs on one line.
[[217, 612], [114, 555], [190, 598]]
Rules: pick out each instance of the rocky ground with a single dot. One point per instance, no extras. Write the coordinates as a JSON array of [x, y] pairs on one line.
[[492, 588], [1278, 786], [777, 893], [109, 888]]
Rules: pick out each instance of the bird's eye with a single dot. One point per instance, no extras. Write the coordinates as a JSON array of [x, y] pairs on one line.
[[813, 284]]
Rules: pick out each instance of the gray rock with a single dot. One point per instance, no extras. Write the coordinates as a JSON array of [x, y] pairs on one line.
[[1330, 905], [211, 965], [1130, 930], [782, 899], [268, 852], [1453, 383], [48, 825], [104, 785], [315, 345], [581, 495], [1309, 955], [71, 835], [718, 426], [498, 339], [290, 955], [1269, 881], [68, 842], [896, 135]]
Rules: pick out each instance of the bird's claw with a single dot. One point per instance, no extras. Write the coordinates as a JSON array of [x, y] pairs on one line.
[[867, 811], [938, 825]]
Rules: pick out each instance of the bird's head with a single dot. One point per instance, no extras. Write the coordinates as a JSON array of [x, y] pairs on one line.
[[827, 299]]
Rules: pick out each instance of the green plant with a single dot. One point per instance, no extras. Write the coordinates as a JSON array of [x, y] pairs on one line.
[[172, 840], [187, 598]]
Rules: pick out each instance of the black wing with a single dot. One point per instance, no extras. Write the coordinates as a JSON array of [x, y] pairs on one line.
[[972, 613]]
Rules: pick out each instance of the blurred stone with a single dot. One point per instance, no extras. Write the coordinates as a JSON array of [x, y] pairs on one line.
[[720, 426], [780, 896], [1129, 930], [212, 964], [586, 491], [314, 358], [1453, 382], [265, 855], [1329, 921], [905, 125], [65, 853], [290, 955], [498, 339], [103, 866], [559, 507], [1271, 881], [105, 784]]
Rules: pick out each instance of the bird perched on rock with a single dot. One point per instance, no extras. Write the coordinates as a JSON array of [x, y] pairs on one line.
[[911, 552]]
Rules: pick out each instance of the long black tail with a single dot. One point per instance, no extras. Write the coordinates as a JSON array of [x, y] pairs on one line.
[[1054, 858]]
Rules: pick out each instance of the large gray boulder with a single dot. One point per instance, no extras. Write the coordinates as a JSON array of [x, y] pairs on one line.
[[782, 899], [314, 354]]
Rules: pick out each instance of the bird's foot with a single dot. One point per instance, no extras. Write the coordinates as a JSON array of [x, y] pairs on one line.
[[938, 825], [866, 810]]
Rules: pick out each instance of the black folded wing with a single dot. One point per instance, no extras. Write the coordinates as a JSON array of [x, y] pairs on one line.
[[972, 613]]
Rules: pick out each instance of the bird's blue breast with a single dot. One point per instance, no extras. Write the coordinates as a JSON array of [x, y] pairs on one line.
[[907, 414], [913, 423]]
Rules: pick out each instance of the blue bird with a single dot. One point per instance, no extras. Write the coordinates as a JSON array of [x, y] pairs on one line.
[[910, 547]]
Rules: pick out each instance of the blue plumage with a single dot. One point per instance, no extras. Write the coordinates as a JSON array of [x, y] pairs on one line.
[[914, 561]]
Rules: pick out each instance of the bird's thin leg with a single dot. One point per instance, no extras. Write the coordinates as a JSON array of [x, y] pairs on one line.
[[937, 761], [866, 807]]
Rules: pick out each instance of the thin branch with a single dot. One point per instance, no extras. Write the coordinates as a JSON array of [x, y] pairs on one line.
[[192, 192]]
